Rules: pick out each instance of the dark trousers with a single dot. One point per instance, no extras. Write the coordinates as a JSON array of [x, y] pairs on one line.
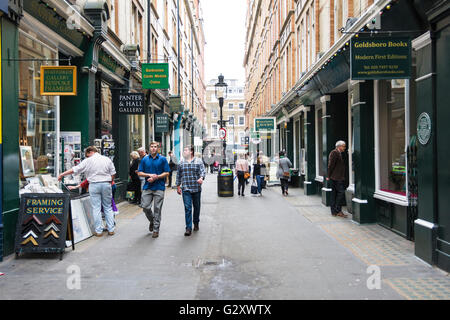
[[191, 199], [284, 184], [241, 180], [337, 195], [169, 184]]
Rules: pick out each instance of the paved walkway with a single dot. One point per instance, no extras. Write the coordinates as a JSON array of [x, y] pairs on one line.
[[268, 247]]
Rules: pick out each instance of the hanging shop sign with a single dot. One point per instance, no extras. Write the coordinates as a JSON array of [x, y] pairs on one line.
[[129, 103], [265, 124], [380, 58], [155, 76], [58, 81], [176, 105], [161, 123], [424, 128], [42, 224]]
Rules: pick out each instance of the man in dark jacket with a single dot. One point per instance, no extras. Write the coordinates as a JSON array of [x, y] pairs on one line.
[[336, 175]]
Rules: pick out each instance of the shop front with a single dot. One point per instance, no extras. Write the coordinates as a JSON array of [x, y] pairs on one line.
[[38, 49]]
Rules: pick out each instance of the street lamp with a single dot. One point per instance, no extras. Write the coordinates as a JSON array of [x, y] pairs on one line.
[[221, 92]]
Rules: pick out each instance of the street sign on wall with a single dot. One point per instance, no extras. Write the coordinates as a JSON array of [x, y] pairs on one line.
[[155, 76], [380, 58], [58, 81], [265, 124]]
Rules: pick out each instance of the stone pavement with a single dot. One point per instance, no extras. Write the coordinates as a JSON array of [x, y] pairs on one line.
[[376, 246], [268, 247]]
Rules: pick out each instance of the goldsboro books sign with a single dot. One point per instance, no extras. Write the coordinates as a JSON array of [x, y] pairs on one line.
[[380, 58], [155, 76]]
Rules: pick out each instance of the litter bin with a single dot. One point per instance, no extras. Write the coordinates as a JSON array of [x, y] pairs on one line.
[[295, 179], [225, 187]]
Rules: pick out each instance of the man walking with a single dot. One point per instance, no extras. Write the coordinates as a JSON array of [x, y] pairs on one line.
[[336, 175], [190, 176], [100, 172], [154, 168]]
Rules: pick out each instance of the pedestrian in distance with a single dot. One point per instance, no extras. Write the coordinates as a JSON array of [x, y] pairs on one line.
[[100, 172], [190, 176], [283, 172], [155, 169], [336, 176], [259, 173], [142, 153], [242, 173], [173, 167], [135, 183]]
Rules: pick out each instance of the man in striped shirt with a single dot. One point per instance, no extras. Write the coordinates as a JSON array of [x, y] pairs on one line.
[[190, 176]]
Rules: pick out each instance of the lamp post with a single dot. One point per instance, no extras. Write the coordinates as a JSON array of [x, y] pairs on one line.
[[221, 92]]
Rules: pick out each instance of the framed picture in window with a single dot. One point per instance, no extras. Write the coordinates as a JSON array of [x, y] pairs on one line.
[[27, 163], [31, 119]]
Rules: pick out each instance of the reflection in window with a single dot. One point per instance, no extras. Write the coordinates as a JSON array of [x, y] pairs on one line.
[[322, 170], [37, 114], [106, 115], [392, 136]]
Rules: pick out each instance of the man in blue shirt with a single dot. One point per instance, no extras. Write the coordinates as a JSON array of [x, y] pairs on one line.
[[154, 168]]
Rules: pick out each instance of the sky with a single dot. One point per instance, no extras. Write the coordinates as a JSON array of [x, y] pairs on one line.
[[224, 23]]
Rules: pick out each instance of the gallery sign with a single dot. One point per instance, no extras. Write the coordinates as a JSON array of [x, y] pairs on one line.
[[161, 123], [380, 58], [129, 103], [155, 76], [58, 81]]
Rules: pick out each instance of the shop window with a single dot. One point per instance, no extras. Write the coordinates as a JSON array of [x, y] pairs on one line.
[[37, 114], [321, 171], [392, 134], [106, 111], [136, 132]]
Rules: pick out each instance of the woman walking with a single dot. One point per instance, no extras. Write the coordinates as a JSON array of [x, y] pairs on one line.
[[135, 184], [259, 172], [283, 172], [241, 171]]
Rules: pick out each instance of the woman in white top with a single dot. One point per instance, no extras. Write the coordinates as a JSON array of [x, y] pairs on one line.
[[241, 170]]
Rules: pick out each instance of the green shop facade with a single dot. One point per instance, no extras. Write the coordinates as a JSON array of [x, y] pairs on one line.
[[394, 123], [41, 35]]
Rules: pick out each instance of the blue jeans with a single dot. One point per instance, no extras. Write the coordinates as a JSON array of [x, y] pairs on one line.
[[259, 181], [101, 195], [189, 200]]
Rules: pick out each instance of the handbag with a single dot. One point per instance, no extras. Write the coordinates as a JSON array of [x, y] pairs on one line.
[[287, 174], [254, 188], [246, 175]]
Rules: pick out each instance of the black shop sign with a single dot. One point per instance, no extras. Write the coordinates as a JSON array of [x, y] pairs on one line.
[[43, 223], [129, 103]]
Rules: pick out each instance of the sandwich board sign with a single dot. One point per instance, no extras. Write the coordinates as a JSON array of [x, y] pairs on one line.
[[43, 223]]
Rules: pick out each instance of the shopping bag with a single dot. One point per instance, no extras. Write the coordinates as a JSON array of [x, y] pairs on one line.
[[254, 188]]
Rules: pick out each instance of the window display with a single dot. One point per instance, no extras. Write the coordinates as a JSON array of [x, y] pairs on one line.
[[392, 142], [37, 114], [136, 132], [321, 169]]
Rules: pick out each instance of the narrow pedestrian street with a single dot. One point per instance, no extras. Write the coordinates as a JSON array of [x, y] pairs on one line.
[[267, 247]]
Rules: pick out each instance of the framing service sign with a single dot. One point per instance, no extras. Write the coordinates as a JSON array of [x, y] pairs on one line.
[[380, 58]]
